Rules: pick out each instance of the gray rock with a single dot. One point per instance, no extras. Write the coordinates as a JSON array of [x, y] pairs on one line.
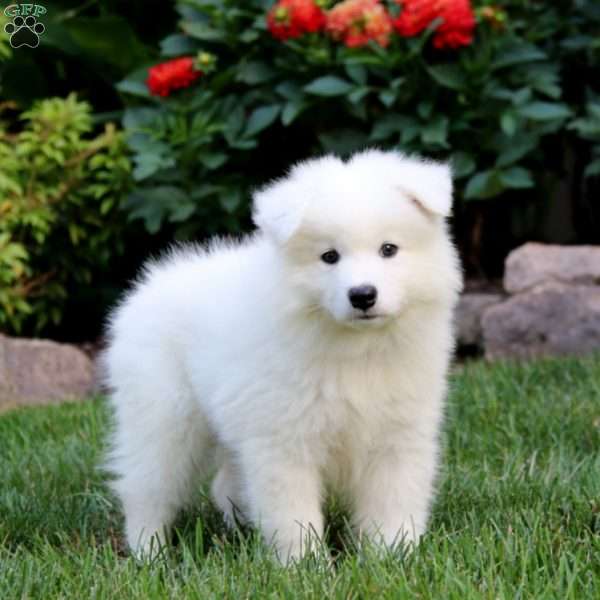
[[551, 319], [468, 317], [36, 371], [534, 263]]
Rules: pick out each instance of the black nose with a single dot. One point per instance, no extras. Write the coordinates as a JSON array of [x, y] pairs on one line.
[[363, 296]]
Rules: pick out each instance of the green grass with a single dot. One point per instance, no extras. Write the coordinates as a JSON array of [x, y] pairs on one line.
[[518, 514]]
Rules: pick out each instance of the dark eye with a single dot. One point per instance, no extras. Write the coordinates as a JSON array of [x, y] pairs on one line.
[[330, 257], [388, 250]]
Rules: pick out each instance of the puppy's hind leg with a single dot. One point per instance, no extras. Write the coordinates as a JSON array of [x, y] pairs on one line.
[[160, 443]]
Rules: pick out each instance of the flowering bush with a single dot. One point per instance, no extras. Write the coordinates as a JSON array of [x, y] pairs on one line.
[[498, 89]]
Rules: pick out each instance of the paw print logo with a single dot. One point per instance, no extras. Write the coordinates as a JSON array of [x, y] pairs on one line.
[[24, 31]]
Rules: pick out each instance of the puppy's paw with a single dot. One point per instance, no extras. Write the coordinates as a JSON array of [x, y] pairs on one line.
[[145, 543]]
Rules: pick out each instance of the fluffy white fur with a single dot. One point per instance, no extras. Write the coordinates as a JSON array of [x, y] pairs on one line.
[[247, 359]]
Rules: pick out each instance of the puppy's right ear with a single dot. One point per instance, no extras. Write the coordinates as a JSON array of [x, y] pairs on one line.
[[277, 209]]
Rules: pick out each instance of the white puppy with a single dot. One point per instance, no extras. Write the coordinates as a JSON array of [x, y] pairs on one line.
[[310, 357]]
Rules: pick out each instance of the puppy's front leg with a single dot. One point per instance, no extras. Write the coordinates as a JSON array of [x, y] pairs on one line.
[[283, 498], [394, 494]]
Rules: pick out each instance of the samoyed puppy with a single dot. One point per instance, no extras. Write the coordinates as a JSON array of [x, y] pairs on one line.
[[310, 357]]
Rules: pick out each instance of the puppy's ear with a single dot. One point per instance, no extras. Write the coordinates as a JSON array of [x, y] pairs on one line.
[[429, 184], [277, 209]]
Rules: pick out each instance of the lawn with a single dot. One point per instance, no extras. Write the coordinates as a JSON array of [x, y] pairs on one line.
[[518, 514]]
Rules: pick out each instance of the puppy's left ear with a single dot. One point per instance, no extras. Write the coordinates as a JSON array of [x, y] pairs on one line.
[[429, 184], [277, 209]]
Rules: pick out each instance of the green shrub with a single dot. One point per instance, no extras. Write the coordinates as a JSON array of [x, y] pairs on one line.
[[60, 190], [502, 109]]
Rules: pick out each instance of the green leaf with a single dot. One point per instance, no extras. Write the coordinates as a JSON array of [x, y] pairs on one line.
[[593, 169], [586, 128], [214, 160], [514, 149], [424, 109], [357, 94], [106, 205], [517, 53], [389, 125], [249, 36], [577, 42], [289, 90], [436, 131], [593, 109], [230, 200], [74, 233], [243, 144], [449, 75], [545, 111], [154, 204], [177, 45], [330, 85], [357, 73], [516, 97], [182, 212], [485, 184], [545, 78], [135, 88], [521, 96], [204, 190], [362, 59], [516, 177], [255, 72], [291, 110], [135, 83], [148, 164], [202, 31], [508, 122], [150, 156], [410, 133], [140, 116], [234, 123], [463, 164], [261, 118], [55, 314], [388, 97]]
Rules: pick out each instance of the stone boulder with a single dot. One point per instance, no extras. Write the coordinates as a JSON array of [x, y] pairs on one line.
[[551, 319], [36, 371], [533, 263], [469, 312]]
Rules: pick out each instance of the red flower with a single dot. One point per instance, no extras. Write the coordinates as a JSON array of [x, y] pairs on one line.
[[356, 22], [172, 75], [455, 30], [292, 18]]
